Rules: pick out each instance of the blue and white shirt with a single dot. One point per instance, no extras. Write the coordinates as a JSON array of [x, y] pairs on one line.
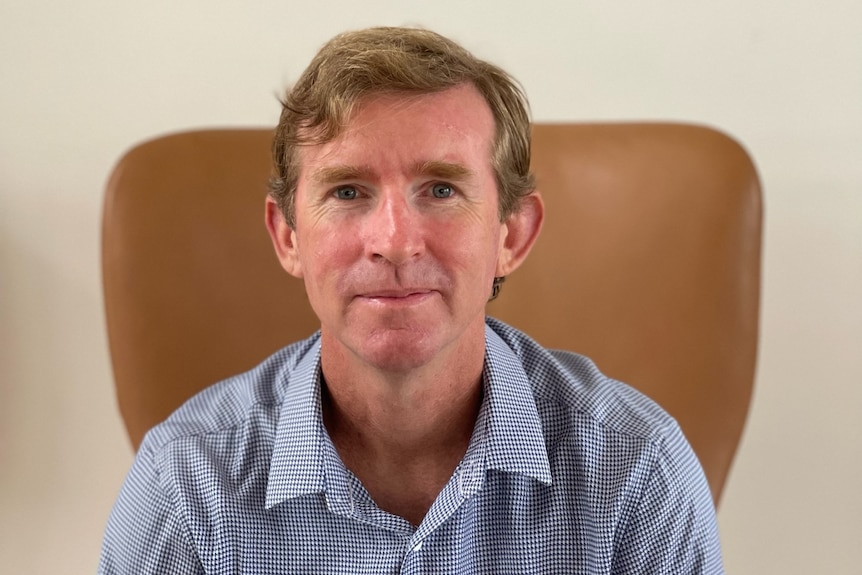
[[567, 471]]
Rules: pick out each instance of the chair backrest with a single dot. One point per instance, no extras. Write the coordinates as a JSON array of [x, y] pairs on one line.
[[649, 263]]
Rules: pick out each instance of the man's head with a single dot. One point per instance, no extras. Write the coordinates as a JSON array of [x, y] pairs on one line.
[[392, 152], [355, 65]]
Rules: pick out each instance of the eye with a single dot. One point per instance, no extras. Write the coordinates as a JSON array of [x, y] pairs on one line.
[[346, 193], [442, 190]]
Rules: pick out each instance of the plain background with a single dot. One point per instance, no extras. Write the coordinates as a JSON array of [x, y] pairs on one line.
[[82, 81]]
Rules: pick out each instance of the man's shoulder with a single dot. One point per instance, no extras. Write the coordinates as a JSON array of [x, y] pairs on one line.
[[612, 432], [570, 390], [250, 398]]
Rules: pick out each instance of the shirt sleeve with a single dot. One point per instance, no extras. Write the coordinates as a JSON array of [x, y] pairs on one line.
[[145, 532], [672, 527]]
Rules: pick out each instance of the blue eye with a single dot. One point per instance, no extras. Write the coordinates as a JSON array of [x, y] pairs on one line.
[[442, 191], [346, 193]]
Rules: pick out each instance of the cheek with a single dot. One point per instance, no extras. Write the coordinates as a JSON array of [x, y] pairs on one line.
[[475, 248], [324, 253]]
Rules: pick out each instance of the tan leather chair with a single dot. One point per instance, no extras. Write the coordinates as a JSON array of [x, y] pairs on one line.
[[649, 263]]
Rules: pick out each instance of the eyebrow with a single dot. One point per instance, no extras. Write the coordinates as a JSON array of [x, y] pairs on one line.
[[334, 174], [443, 170], [434, 168]]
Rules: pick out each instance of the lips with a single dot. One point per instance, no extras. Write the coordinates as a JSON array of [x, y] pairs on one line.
[[384, 282], [400, 293], [395, 298]]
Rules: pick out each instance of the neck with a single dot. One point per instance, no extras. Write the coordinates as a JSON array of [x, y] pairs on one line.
[[404, 425], [403, 415], [403, 434]]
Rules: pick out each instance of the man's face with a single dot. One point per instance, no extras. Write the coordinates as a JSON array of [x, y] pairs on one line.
[[397, 231]]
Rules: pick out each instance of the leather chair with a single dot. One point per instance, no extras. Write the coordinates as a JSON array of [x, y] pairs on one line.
[[649, 263]]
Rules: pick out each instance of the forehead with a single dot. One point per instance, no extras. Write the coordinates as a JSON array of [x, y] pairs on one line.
[[388, 130]]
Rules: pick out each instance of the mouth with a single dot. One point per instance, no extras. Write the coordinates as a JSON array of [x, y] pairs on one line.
[[396, 297]]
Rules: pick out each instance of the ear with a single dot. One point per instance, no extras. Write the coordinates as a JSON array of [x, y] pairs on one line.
[[283, 239], [520, 231]]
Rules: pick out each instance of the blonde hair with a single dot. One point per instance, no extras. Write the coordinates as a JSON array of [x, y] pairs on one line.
[[354, 65]]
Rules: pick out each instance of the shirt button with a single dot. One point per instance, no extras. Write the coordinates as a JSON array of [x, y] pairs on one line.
[[417, 547]]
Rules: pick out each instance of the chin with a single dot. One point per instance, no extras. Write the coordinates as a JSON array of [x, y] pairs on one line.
[[398, 350]]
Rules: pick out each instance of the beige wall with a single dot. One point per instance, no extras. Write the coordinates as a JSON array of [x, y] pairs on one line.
[[81, 81]]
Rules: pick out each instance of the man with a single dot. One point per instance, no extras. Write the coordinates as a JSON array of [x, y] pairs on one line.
[[411, 434]]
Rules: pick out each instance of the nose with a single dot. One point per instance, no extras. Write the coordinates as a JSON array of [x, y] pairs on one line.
[[394, 230]]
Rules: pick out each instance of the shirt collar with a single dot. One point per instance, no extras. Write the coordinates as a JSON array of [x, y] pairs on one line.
[[508, 431], [515, 439], [297, 467]]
